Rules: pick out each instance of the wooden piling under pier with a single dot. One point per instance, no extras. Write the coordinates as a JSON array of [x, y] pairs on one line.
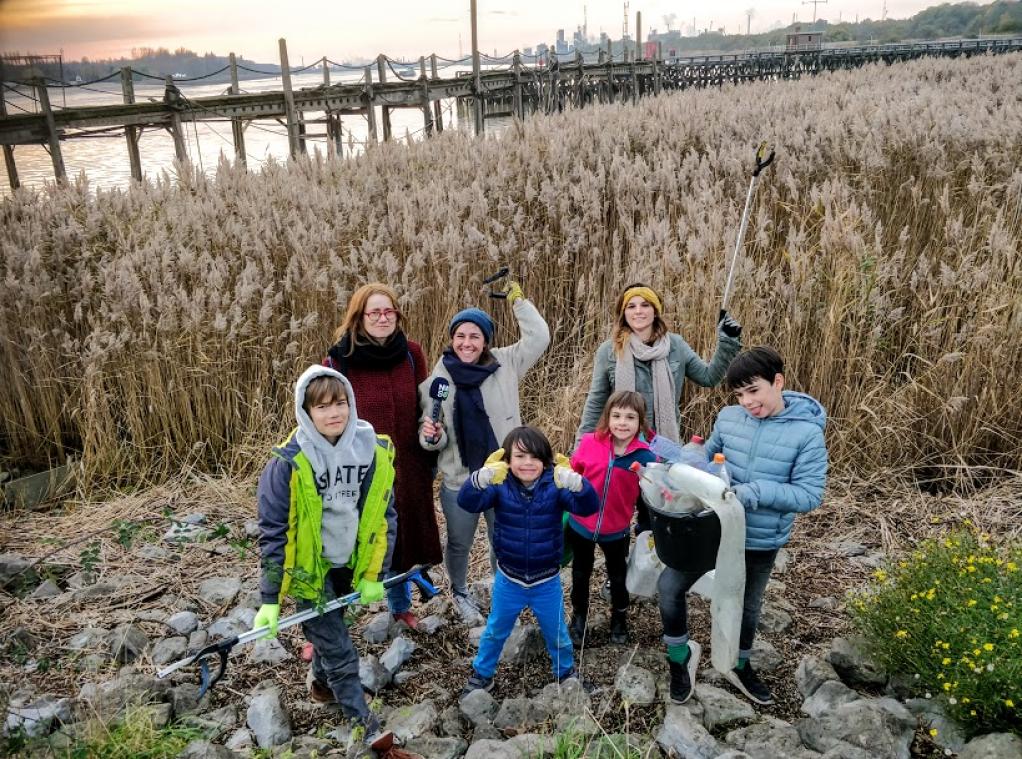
[[511, 90]]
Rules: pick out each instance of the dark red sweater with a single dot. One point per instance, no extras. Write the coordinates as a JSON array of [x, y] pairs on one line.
[[388, 399]]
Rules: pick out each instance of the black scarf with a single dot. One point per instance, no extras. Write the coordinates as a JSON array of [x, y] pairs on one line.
[[476, 440], [369, 355]]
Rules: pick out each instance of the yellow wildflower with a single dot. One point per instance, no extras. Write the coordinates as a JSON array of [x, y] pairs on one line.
[[901, 634]]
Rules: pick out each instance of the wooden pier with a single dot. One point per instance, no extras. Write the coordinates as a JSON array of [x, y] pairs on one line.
[[509, 88]]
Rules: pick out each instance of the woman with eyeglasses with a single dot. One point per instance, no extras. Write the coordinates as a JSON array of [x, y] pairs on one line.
[[385, 368], [481, 408]]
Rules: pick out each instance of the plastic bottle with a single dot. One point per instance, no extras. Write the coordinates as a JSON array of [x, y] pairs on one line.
[[693, 453], [717, 467]]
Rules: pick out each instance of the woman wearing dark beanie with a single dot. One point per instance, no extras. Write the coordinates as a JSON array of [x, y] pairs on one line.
[[481, 408], [385, 368]]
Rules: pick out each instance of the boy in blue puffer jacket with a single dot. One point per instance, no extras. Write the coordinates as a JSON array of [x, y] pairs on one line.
[[777, 460], [528, 540]]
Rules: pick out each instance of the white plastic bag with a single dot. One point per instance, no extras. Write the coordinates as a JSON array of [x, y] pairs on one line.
[[644, 567]]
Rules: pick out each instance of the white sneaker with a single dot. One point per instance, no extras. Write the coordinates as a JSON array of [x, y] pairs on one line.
[[694, 652], [468, 611]]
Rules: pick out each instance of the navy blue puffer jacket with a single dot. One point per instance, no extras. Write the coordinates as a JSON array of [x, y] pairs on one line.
[[528, 528], [778, 465]]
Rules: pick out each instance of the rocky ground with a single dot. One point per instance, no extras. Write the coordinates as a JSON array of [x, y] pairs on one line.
[[99, 596]]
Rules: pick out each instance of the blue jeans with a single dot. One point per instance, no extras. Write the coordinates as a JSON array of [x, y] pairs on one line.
[[461, 532], [509, 599], [399, 597], [673, 585]]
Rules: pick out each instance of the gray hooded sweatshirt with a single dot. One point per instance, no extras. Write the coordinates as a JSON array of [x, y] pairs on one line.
[[340, 468]]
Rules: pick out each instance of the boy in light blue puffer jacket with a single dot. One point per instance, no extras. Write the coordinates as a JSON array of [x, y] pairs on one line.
[[777, 460]]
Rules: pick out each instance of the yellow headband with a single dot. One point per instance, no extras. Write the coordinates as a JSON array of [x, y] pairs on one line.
[[646, 294]]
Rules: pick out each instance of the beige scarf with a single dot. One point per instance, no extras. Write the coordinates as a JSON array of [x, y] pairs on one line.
[[662, 415]]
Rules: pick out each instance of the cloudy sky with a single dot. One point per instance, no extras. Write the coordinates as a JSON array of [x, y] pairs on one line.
[[339, 29]]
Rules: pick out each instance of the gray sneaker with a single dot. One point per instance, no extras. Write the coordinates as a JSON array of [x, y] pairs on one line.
[[468, 611]]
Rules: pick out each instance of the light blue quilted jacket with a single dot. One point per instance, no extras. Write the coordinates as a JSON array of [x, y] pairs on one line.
[[778, 465]]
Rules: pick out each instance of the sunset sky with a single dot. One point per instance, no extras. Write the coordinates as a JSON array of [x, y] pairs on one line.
[[110, 28]]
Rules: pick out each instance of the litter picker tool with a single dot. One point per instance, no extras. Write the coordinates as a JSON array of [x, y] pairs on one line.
[[501, 273], [763, 159], [417, 575]]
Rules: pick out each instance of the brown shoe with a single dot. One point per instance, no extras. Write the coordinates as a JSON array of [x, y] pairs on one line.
[[321, 693]]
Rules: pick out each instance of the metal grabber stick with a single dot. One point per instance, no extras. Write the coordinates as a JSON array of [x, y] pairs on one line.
[[417, 575], [762, 161]]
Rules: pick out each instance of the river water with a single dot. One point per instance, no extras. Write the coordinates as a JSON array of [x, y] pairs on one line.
[[104, 159]]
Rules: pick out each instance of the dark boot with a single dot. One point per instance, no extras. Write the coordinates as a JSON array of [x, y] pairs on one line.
[[619, 627], [681, 683], [577, 630]]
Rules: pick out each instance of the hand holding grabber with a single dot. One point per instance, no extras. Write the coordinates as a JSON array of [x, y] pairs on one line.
[[763, 159]]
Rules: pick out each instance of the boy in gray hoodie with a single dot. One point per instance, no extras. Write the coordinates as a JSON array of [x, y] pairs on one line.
[[327, 524]]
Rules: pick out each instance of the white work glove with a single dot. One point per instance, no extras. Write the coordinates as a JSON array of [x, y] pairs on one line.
[[566, 477]]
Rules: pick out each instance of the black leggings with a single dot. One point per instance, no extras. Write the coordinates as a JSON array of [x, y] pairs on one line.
[[584, 549]]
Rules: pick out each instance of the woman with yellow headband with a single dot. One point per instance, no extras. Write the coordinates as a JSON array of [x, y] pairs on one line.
[[642, 355]]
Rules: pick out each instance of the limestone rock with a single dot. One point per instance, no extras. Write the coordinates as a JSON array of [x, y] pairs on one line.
[[203, 749], [524, 642], [268, 652], [682, 735], [993, 746], [399, 652], [853, 665], [377, 629], [414, 720], [765, 656], [811, 673], [431, 625], [477, 707], [720, 708], [219, 591], [488, 748], [37, 717], [89, 639], [183, 622], [520, 714], [882, 726], [533, 745], [932, 715], [127, 643], [241, 740], [168, 650], [433, 747], [226, 627], [773, 620], [772, 738], [46, 589], [267, 719], [828, 697], [636, 685]]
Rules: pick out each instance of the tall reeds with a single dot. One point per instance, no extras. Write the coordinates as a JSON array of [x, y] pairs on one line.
[[162, 327]]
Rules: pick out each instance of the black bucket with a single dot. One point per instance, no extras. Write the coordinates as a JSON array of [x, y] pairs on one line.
[[686, 542]]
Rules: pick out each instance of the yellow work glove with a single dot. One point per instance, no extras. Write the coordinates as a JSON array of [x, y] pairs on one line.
[[513, 290], [369, 591], [493, 471], [267, 616], [565, 476]]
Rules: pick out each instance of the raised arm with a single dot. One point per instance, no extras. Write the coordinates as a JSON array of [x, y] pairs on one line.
[[533, 340], [710, 374]]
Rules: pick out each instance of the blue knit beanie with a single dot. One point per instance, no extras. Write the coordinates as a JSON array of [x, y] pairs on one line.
[[477, 317]]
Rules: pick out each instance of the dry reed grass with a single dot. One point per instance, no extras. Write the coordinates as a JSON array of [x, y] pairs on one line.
[[159, 330]]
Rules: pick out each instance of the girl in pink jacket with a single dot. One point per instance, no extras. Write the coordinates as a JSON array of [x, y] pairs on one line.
[[603, 457]]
